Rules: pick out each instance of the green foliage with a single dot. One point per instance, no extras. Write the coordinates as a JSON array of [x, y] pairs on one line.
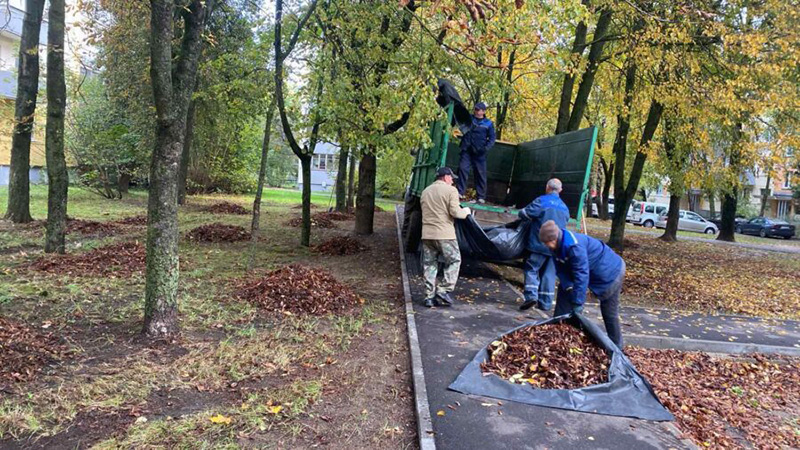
[[393, 173]]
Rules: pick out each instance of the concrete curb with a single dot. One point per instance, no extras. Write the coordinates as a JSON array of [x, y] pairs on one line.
[[422, 407]]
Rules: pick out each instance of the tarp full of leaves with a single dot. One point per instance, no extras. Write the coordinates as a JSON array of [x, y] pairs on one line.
[[298, 289], [721, 402], [218, 232], [626, 393], [25, 351], [226, 208], [340, 246], [121, 259]]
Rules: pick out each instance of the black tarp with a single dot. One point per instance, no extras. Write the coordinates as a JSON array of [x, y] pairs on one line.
[[626, 393], [499, 243], [447, 94]]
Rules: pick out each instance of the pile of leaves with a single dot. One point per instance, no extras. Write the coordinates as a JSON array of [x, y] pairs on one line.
[[719, 401], [337, 216], [218, 232], [317, 221], [119, 260], [298, 289], [132, 220], [90, 227], [24, 352], [340, 246], [226, 208], [552, 356]]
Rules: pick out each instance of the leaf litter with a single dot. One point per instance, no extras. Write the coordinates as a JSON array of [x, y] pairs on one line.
[[340, 246], [122, 259], [25, 351], [551, 356], [218, 232], [727, 403], [317, 221], [226, 208], [298, 289]]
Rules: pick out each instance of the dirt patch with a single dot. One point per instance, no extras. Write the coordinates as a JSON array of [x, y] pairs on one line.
[[25, 352], [340, 246], [118, 260], [226, 208], [724, 403], [316, 222], [218, 232], [179, 402], [554, 356], [88, 428], [298, 289]]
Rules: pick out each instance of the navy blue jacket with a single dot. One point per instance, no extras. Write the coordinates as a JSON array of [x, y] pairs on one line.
[[583, 262], [544, 208], [480, 136]]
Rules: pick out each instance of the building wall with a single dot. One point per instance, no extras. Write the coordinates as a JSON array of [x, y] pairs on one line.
[[324, 165]]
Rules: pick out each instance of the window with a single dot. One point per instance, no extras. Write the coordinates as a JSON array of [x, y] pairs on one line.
[[322, 162], [694, 217], [649, 208], [681, 215], [787, 181], [661, 210]]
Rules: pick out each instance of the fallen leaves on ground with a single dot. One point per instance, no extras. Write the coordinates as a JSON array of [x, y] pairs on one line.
[[298, 289], [226, 208], [711, 277], [218, 232], [335, 215], [340, 246], [317, 221], [552, 356], [720, 402], [121, 259], [132, 220], [87, 227], [24, 351]]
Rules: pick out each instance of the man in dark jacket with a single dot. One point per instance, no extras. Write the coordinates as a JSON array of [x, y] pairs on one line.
[[540, 273], [584, 264], [475, 143]]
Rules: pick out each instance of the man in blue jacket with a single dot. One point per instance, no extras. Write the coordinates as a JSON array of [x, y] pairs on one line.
[[584, 264], [475, 143], [540, 273]]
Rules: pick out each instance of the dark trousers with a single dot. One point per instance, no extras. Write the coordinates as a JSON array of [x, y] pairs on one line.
[[609, 308], [470, 159]]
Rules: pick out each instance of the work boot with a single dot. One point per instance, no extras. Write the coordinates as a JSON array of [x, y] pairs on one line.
[[428, 303], [481, 201], [527, 305], [446, 299]]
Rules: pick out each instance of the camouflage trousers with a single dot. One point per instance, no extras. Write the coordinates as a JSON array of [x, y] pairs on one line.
[[435, 251]]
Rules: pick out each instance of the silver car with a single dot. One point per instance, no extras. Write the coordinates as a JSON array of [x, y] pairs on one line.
[[689, 221]]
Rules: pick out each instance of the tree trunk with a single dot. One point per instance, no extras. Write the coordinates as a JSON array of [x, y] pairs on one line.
[[172, 90], [19, 210], [502, 109], [57, 177], [305, 233], [365, 208], [621, 200], [712, 207], [671, 232], [351, 182], [765, 193], [587, 81], [609, 178], [186, 153], [123, 183], [578, 45], [341, 179], [728, 223], [262, 171]]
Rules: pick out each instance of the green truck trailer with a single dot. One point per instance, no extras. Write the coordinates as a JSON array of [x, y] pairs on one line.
[[515, 174]]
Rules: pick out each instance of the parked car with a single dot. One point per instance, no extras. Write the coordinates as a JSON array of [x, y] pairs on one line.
[[690, 221], [717, 220], [766, 227], [595, 213], [646, 213]]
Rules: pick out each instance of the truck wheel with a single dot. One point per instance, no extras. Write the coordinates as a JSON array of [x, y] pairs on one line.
[[413, 231], [648, 224]]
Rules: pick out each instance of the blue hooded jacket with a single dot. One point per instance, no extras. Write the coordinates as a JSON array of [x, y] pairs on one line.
[[583, 262], [480, 136], [544, 208]]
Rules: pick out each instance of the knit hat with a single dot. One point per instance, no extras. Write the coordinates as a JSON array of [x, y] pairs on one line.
[[549, 232]]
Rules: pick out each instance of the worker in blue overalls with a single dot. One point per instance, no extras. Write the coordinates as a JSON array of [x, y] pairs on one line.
[[583, 264], [475, 143], [540, 273]]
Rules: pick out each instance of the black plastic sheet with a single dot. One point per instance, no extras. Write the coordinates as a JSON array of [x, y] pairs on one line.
[[500, 243], [626, 393]]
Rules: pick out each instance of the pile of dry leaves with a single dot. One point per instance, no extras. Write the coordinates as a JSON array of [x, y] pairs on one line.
[[218, 232], [112, 260], [24, 352], [553, 356], [317, 221], [298, 289], [226, 208], [132, 220], [720, 402], [334, 215], [340, 246], [91, 227]]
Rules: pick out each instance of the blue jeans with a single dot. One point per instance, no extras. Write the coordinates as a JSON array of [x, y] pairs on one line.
[[540, 280], [472, 159], [609, 307]]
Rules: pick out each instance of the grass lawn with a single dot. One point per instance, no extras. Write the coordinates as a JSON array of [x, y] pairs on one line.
[[239, 375]]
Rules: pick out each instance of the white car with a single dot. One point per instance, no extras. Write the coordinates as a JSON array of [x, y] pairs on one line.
[[690, 221], [646, 213]]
